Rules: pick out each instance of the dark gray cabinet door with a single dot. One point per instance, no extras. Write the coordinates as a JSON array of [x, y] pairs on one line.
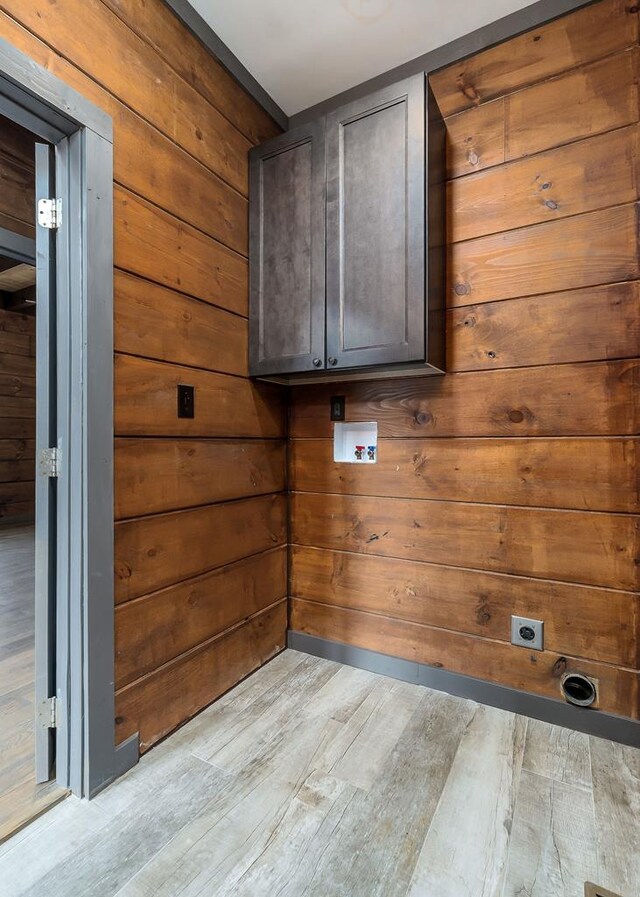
[[287, 253], [376, 228]]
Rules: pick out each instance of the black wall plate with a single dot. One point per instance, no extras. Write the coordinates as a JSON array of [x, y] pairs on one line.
[[186, 401], [338, 407]]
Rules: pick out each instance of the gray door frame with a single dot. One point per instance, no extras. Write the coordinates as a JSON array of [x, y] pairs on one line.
[[86, 756]]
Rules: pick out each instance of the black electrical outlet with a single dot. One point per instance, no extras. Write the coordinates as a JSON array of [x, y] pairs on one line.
[[337, 407], [186, 401]]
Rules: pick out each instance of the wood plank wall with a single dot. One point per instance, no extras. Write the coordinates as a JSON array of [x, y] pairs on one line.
[[17, 417], [200, 507], [511, 484], [17, 337]]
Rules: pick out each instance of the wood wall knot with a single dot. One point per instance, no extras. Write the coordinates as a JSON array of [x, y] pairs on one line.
[[483, 616], [559, 668], [467, 89], [123, 571], [422, 418], [473, 157]]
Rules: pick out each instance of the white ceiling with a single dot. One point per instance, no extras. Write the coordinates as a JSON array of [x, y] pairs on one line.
[[305, 51]]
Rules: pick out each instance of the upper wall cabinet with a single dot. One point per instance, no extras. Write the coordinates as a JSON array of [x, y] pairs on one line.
[[287, 266], [346, 277]]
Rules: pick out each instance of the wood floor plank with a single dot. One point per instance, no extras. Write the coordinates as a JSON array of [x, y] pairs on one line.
[[110, 857], [439, 807], [363, 762], [616, 796], [553, 840], [465, 851], [374, 847], [238, 745], [220, 844], [21, 800], [560, 754]]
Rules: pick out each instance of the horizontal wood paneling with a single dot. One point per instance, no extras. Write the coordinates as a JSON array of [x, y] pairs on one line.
[[16, 406], [146, 402], [157, 25], [590, 100], [510, 485], [595, 248], [161, 248], [11, 385], [16, 428], [17, 412], [182, 131], [586, 176], [499, 662], [587, 474], [581, 103], [475, 139], [151, 631], [604, 323], [600, 624], [572, 546], [164, 173], [128, 67], [17, 449], [17, 179], [569, 41], [16, 365], [156, 704], [159, 323], [155, 475], [563, 400], [16, 471], [154, 552], [17, 500], [17, 205]]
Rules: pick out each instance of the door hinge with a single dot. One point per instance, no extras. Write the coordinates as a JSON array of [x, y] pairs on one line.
[[49, 713], [49, 462], [50, 213]]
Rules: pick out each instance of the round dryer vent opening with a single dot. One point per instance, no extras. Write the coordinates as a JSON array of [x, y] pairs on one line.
[[578, 689]]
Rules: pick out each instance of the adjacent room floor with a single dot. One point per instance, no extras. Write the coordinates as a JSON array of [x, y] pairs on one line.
[[20, 798], [311, 778]]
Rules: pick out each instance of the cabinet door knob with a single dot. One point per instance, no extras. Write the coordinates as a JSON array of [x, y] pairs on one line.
[[317, 362], [332, 360]]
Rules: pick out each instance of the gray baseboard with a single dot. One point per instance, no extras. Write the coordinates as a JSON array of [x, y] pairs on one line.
[[592, 722], [126, 756]]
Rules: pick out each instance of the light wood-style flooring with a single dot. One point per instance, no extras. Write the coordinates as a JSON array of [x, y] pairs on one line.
[[312, 779], [20, 798]]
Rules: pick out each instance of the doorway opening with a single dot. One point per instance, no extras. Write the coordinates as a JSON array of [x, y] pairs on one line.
[[58, 514], [28, 783]]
